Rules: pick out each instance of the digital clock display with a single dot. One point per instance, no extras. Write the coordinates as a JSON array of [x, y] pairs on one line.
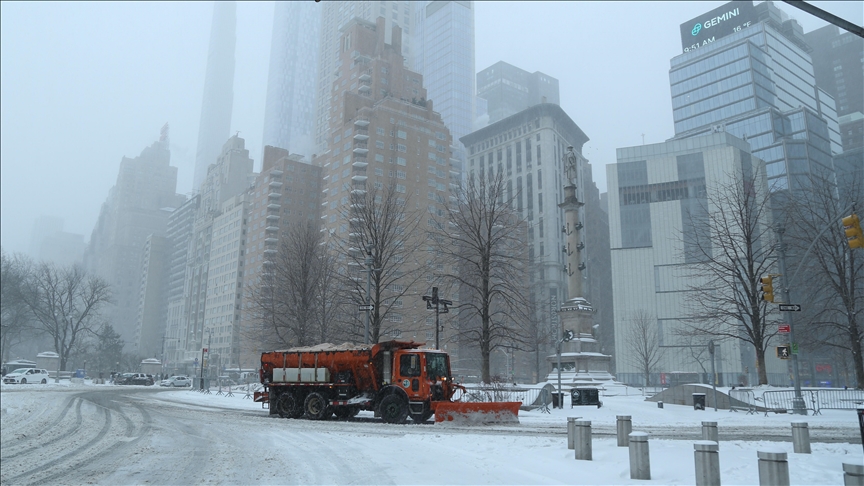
[[716, 24]]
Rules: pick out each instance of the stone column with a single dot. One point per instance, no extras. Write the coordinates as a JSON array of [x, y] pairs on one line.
[[582, 439], [707, 463], [773, 468], [625, 426], [800, 437], [640, 459]]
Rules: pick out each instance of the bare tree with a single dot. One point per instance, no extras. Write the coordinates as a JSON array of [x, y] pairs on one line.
[[14, 315], [643, 344], [382, 231], [831, 277], [66, 304], [287, 298], [729, 247], [484, 241]]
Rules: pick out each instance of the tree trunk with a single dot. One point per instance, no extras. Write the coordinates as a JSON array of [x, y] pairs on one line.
[[857, 359], [760, 365]]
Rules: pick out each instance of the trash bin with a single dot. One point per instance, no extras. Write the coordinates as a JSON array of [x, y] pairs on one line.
[[698, 401], [557, 400]]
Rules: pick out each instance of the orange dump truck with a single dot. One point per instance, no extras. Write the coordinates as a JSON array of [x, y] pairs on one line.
[[394, 379]]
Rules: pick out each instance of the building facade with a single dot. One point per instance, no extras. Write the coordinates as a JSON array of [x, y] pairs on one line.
[[152, 303], [218, 101], [289, 111], [334, 15], [655, 192], [286, 194], [509, 90], [444, 55], [838, 63], [137, 206], [530, 148], [179, 233], [383, 132]]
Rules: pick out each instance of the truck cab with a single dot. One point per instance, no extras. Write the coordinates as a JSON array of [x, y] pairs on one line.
[[424, 376]]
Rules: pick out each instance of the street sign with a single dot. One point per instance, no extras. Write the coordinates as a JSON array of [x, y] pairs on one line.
[[784, 328], [205, 350], [794, 348], [783, 352], [790, 307], [367, 307]]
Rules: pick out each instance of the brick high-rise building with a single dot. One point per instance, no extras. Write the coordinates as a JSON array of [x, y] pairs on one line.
[[384, 131]]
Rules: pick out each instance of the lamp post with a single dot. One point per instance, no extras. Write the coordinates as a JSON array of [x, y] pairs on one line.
[[203, 350], [434, 303]]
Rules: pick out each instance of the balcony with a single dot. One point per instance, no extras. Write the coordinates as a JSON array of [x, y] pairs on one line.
[[359, 178], [276, 172], [360, 164], [271, 229], [275, 184], [271, 240], [361, 136], [364, 89], [361, 122], [269, 251], [272, 217], [274, 206], [274, 195], [360, 149], [365, 77], [358, 192]]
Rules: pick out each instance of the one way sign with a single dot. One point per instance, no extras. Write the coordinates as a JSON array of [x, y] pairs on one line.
[[790, 307]]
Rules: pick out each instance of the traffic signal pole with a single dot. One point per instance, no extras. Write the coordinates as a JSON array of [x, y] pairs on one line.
[[797, 401]]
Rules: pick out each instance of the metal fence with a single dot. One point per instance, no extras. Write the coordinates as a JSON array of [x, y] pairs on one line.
[[815, 400], [494, 393], [743, 396]]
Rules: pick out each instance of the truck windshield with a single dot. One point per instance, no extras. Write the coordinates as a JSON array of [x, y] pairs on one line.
[[436, 365]]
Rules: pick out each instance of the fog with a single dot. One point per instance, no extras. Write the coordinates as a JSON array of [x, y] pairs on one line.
[[84, 84]]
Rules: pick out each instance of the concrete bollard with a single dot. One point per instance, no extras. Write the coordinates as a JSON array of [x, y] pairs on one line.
[[709, 432], [640, 460], [707, 463], [582, 439], [773, 468], [800, 438], [625, 426], [571, 432], [853, 474]]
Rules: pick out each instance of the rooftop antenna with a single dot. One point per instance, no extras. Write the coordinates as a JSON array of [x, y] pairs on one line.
[[163, 133]]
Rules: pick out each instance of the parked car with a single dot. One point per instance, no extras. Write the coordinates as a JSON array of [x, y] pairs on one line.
[[134, 379], [26, 375], [178, 380]]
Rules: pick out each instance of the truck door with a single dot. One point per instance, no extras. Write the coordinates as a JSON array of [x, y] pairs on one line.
[[410, 370]]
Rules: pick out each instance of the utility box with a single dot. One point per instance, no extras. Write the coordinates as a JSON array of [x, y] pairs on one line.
[[698, 401], [585, 396]]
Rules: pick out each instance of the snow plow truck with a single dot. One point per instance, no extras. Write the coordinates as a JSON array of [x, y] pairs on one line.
[[394, 379]]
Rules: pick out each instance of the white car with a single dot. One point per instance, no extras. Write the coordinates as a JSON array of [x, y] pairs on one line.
[[27, 375], [177, 381]]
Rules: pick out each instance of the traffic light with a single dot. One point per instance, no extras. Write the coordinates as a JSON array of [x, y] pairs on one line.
[[568, 335], [853, 231], [783, 352], [767, 288]]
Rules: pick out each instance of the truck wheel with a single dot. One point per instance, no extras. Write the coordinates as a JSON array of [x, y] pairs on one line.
[[287, 406], [394, 409], [316, 407], [422, 417]]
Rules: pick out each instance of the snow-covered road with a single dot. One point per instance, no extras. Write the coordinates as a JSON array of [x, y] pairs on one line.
[[137, 435]]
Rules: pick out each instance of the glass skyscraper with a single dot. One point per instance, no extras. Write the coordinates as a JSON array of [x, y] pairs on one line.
[[758, 84], [289, 113], [444, 55]]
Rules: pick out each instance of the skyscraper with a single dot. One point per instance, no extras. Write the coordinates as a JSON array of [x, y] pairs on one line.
[[444, 55], [509, 90], [137, 206], [289, 112], [754, 78], [215, 124], [334, 15]]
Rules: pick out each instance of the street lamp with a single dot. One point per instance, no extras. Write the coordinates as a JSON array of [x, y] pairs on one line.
[[203, 350], [434, 303]]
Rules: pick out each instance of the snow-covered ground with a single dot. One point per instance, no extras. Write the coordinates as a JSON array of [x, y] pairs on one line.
[[534, 452]]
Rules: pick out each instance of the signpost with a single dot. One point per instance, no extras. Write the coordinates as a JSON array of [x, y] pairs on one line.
[[367, 307], [790, 307]]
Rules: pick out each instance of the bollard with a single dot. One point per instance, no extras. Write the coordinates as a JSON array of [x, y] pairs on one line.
[[853, 474], [625, 426], [707, 463], [571, 432], [582, 439], [773, 468], [800, 438], [709, 432], [640, 460]]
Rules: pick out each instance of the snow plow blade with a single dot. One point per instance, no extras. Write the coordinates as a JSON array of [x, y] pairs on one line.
[[477, 412]]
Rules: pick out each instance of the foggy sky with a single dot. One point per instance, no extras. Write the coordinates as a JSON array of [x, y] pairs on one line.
[[84, 84]]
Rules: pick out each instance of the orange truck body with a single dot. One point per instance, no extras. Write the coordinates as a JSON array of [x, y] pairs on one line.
[[395, 379]]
